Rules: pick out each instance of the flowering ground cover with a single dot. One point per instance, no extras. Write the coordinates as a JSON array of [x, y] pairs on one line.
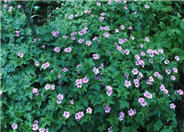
[[89, 66]]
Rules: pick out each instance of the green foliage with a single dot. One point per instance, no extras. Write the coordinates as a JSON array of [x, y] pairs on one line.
[[155, 38]]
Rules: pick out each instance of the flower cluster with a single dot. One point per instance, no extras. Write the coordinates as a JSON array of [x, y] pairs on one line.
[[180, 92], [79, 115], [132, 112], [49, 86], [148, 95], [60, 97], [36, 127], [79, 82], [55, 34], [45, 65], [68, 50], [162, 88], [109, 90], [96, 56], [142, 102], [35, 91]]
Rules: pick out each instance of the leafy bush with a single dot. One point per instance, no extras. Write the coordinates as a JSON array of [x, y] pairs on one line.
[[94, 66]]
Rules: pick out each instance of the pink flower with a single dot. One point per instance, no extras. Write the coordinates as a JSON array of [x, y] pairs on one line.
[[162, 87], [130, 28], [166, 61], [47, 86], [109, 92], [107, 109], [5, 5], [119, 48], [14, 126], [142, 53], [168, 71], [68, 50], [135, 71], [175, 70], [102, 14], [101, 19], [79, 115], [106, 28], [55, 34], [106, 35], [110, 129], [79, 83], [59, 76], [148, 95], [72, 101], [173, 77], [58, 101], [80, 41], [20, 54], [65, 69], [57, 49], [172, 106], [121, 41], [35, 122], [52, 86], [35, 90], [19, 6], [37, 63], [134, 13], [85, 80], [64, 37], [180, 92], [66, 114], [10, 9], [127, 83], [161, 51], [45, 65], [146, 6], [89, 110], [88, 43], [35, 127], [98, 4], [95, 70], [177, 58], [71, 16], [42, 130], [96, 56], [137, 57], [121, 116], [109, 2], [147, 39], [142, 102], [117, 30], [60, 97], [125, 7], [108, 87], [118, 1], [131, 112], [122, 27]]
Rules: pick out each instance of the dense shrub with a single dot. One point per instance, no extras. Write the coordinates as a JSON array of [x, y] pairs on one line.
[[94, 66]]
